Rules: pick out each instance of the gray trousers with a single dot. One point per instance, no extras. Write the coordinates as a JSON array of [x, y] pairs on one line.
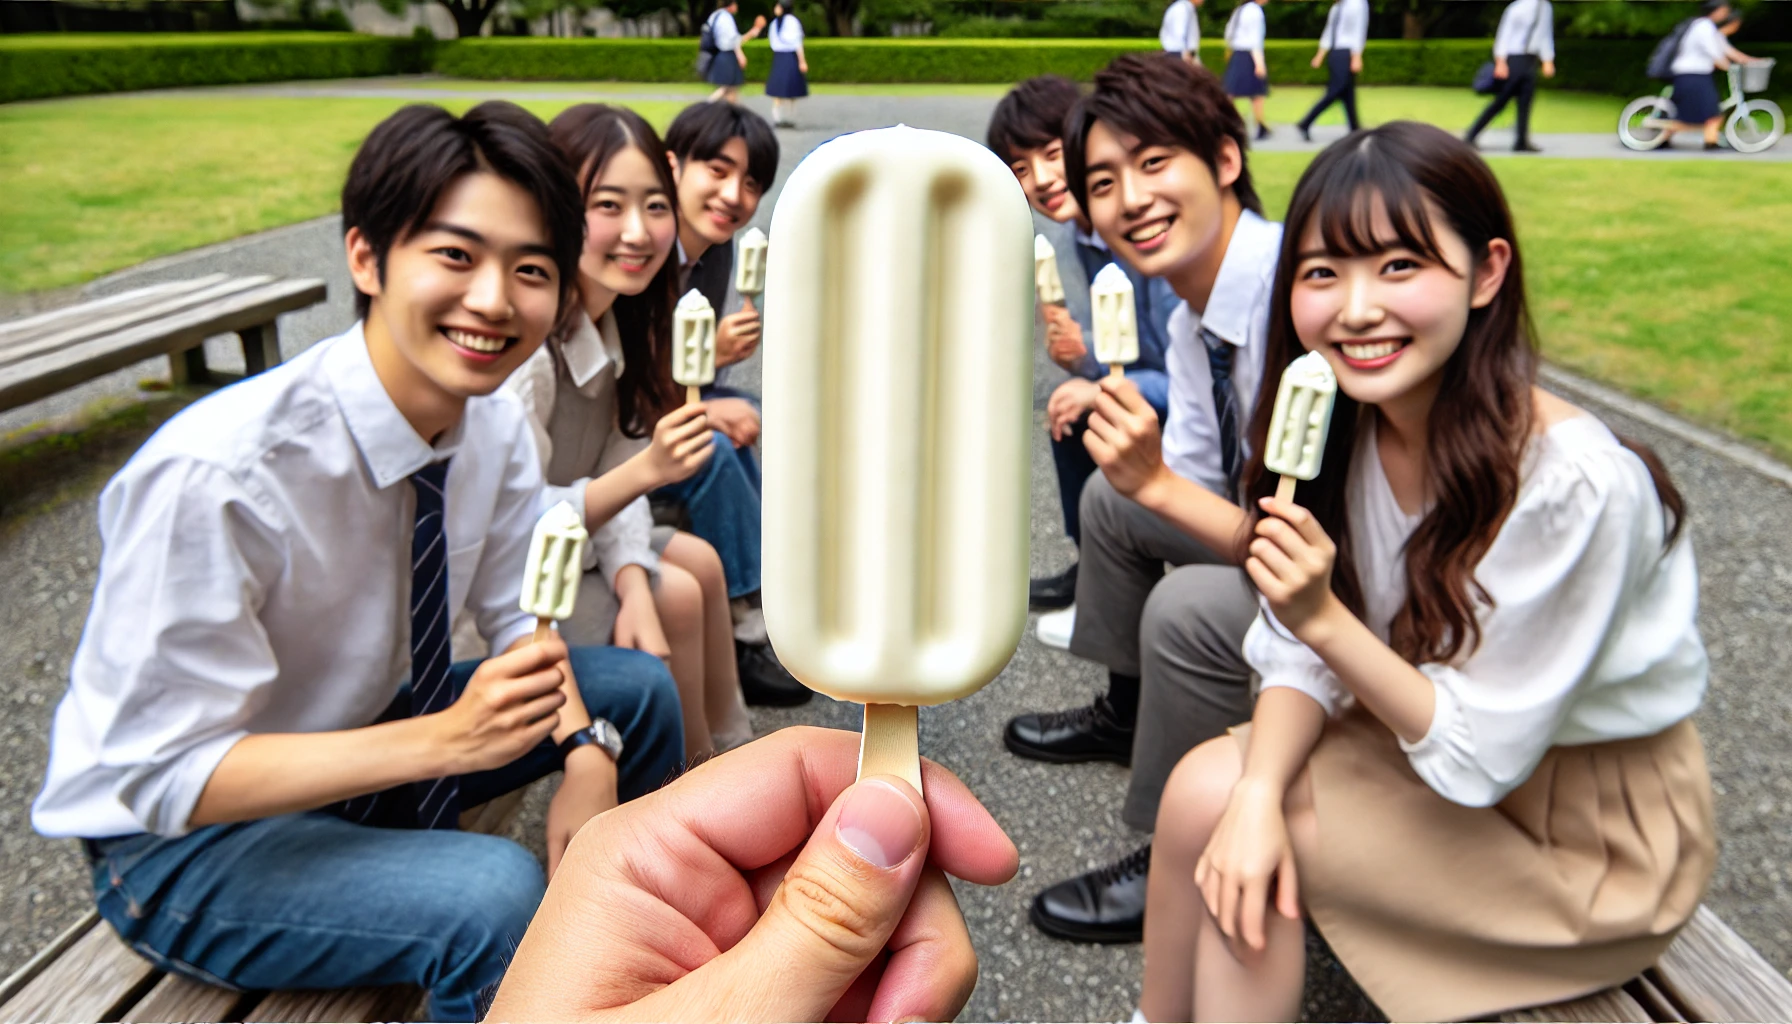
[[1179, 633]]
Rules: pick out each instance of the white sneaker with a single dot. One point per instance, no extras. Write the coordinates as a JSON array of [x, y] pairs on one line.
[[1055, 628]]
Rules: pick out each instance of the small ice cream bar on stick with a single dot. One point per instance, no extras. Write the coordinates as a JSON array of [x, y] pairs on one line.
[[749, 266], [694, 344], [1299, 422], [1047, 285], [556, 561], [897, 407], [1116, 319]]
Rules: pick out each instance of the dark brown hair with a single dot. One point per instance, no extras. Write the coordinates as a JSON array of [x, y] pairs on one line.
[[588, 135], [1483, 418], [701, 130], [411, 158], [1031, 116], [1163, 102]]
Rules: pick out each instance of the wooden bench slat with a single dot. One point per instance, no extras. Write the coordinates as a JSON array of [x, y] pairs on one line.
[[1612, 1006], [397, 1002], [95, 979], [29, 327], [16, 981], [179, 998], [1713, 975], [91, 327], [47, 374]]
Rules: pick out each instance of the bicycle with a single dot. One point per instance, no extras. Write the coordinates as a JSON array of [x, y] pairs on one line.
[[1753, 125]]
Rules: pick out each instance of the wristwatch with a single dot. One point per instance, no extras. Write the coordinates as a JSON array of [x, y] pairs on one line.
[[600, 733]]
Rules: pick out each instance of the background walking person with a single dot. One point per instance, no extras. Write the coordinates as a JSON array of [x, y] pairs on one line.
[[789, 80], [1704, 50], [1526, 38], [1180, 33], [728, 67], [1247, 73], [1341, 48]]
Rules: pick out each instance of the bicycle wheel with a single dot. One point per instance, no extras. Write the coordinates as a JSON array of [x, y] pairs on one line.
[[1634, 129], [1755, 126]]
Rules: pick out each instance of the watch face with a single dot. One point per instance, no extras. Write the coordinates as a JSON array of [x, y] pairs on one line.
[[608, 736]]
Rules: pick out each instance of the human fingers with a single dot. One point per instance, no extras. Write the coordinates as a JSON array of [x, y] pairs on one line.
[[1253, 902], [1288, 887], [1267, 583], [698, 447], [932, 965], [532, 714], [681, 418], [524, 657], [1275, 559], [1301, 519], [1126, 393], [1229, 900], [510, 693], [695, 425]]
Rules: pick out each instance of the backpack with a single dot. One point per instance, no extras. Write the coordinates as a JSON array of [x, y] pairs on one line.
[[1661, 60], [706, 46]]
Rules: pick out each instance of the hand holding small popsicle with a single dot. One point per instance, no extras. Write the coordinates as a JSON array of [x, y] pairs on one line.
[[556, 561], [1047, 285], [694, 344], [1116, 319], [749, 265], [1291, 557]]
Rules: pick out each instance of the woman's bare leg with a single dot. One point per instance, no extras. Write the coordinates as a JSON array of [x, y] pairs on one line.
[[723, 706], [1257, 110], [679, 600]]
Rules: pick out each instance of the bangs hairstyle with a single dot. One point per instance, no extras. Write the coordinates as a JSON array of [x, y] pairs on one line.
[[701, 130], [1482, 420], [411, 158], [587, 136], [1031, 116], [1163, 103]]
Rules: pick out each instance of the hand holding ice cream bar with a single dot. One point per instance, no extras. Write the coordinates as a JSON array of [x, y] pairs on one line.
[[556, 561], [897, 408], [1116, 319], [1047, 285], [1300, 421], [693, 344], [749, 266]]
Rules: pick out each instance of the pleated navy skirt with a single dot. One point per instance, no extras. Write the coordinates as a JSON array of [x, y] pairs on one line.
[[787, 81], [1241, 76]]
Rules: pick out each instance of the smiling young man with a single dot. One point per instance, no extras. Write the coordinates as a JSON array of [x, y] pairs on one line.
[[1024, 132], [1156, 155], [264, 746]]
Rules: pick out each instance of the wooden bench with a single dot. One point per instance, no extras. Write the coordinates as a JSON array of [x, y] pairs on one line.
[[43, 354], [88, 975]]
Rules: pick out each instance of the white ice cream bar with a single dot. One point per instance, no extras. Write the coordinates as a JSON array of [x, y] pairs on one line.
[[749, 262], [897, 406], [1047, 285], [1301, 419], [556, 561], [694, 340], [1116, 318]]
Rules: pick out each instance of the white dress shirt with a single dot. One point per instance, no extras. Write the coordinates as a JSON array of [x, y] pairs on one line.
[[786, 34], [1700, 49], [571, 407], [1181, 29], [1526, 27], [1247, 29], [1237, 311], [724, 30], [1346, 26], [1592, 635], [255, 577]]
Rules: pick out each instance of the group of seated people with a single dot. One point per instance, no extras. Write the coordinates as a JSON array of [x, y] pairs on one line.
[[1438, 704]]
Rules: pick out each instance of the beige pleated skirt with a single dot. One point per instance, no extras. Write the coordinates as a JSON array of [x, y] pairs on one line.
[[1575, 882]]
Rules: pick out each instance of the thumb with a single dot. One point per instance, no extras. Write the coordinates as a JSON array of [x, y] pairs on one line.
[[832, 915]]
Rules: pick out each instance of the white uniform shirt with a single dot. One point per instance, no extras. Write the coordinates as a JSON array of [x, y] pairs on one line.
[[256, 577], [1346, 26], [1247, 28], [1527, 27], [1237, 311], [786, 34], [1181, 29], [1592, 636], [1700, 49], [725, 31]]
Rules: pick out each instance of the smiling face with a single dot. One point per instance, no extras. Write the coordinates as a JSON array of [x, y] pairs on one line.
[[464, 299], [1160, 208], [1389, 321], [630, 228], [716, 197], [1041, 175]]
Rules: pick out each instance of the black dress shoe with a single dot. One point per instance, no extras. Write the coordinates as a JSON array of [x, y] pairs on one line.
[[1105, 905], [1526, 147], [1262, 132], [765, 683], [1053, 592], [1089, 733], [1306, 134]]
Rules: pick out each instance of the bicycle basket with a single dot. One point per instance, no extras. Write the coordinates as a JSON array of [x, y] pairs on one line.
[[1754, 76]]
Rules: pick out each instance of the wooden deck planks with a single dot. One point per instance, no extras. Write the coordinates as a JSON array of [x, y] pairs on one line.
[[178, 998], [95, 979], [1713, 975]]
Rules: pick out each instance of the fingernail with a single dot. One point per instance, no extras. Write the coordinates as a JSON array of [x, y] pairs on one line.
[[879, 823]]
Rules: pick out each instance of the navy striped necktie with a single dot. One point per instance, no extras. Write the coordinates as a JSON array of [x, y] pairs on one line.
[[1225, 406], [438, 800]]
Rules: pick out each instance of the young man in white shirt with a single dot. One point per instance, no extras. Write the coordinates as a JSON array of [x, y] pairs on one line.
[[1180, 32], [1524, 44], [1341, 47], [264, 746], [1156, 156]]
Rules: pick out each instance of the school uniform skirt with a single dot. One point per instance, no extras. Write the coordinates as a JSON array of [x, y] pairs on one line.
[[1695, 99], [1576, 881], [725, 69], [787, 81], [1241, 76]]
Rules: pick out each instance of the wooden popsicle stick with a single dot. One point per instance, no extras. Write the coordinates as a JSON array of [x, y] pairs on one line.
[[1285, 488], [692, 394], [890, 744], [543, 629], [1116, 370]]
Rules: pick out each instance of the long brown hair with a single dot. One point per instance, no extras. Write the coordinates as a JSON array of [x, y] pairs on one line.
[[588, 135], [1482, 421]]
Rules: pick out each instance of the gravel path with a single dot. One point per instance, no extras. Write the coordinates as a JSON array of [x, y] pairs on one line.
[[1064, 819]]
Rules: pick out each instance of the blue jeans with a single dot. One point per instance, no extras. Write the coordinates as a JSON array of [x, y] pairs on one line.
[[313, 901], [722, 500]]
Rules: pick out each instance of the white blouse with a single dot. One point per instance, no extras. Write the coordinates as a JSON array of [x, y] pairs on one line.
[[1592, 635], [1700, 49], [1247, 28], [785, 34]]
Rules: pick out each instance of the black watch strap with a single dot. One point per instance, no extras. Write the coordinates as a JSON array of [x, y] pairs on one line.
[[601, 734]]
